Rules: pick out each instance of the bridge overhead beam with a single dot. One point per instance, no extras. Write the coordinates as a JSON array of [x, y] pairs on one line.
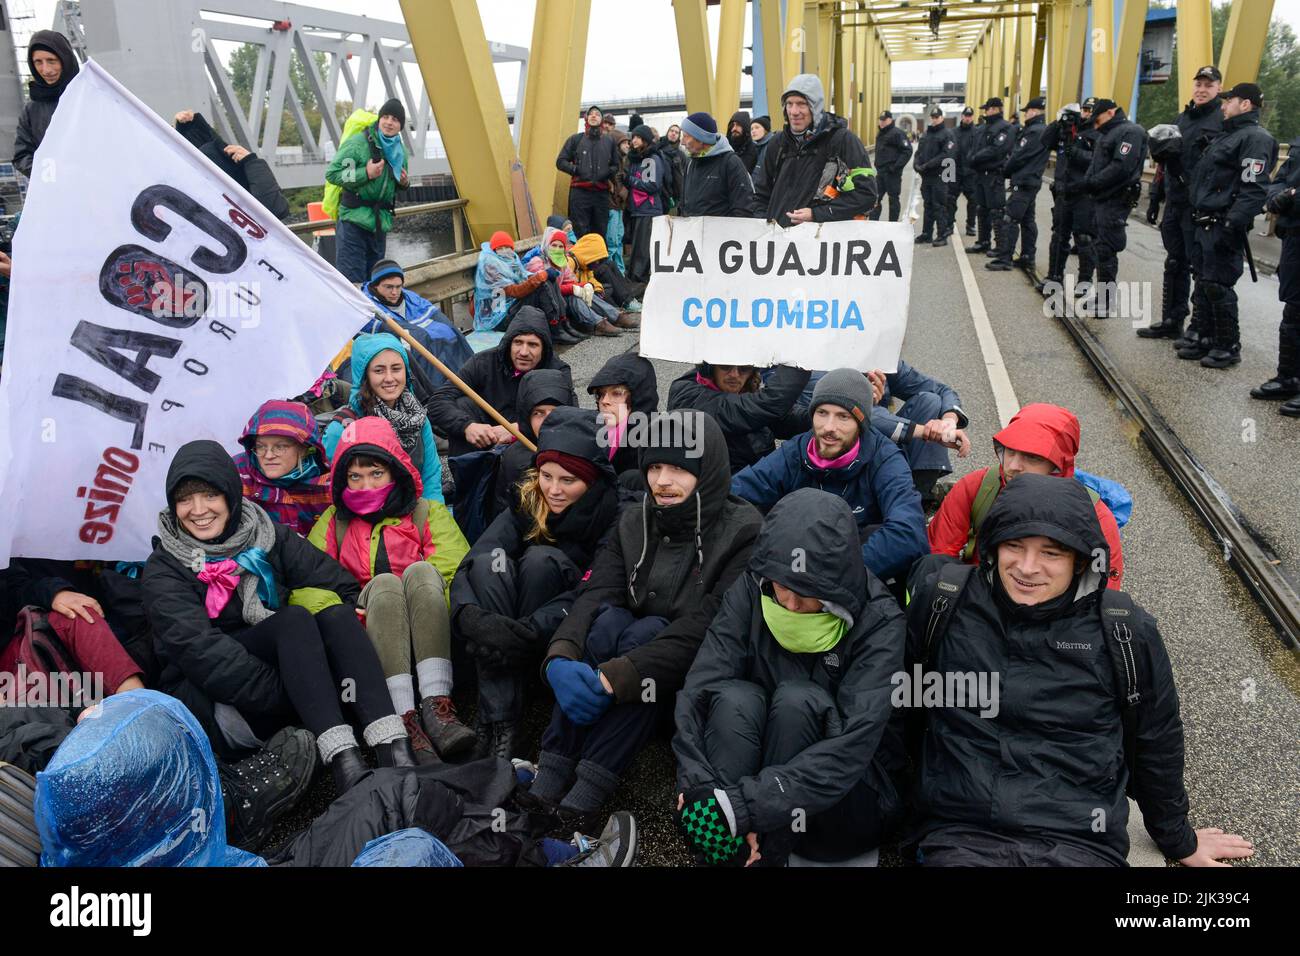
[[1243, 44], [1074, 40], [1035, 83], [793, 45], [697, 60], [731, 39], [1103, 48], [1128, 49], [1195, 43], [452, 51], [559, 48]]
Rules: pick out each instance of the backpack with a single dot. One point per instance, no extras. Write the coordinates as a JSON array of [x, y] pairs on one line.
[[990, 485], [356, 123], [40, 648], [1116, 610]]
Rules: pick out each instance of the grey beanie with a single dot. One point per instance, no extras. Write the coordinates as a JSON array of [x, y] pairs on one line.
[[847, 388]]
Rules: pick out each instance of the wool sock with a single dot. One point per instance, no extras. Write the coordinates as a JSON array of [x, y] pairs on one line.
[[403, 694], [554, 776], [434, 677], [333, 740], [593, 786], [384, 730]]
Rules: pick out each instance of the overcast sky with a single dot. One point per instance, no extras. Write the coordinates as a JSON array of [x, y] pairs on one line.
[[631, 44]]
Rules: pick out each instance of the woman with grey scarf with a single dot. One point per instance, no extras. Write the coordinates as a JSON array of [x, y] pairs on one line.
[[221, 590]]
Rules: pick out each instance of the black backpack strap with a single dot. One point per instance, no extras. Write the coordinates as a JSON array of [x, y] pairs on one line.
[[1117, 619], [943, 598]]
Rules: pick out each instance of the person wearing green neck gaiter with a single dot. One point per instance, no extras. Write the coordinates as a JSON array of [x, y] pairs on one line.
[[781, 741]]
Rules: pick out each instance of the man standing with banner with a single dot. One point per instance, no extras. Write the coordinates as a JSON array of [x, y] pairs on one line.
[[174, 294]]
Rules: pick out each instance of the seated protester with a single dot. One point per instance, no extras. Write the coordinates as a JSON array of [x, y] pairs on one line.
[[244, 167], [519, 580], [495, 375], [588, 315], [751, 413], [502, 286], [787, 706], [380, 387], [403, 549], [541, 391], [563, 224], [595, 266], [244, 660], [625, 384], [87, 603], [1021, 782], [420, 317], [283, 466], [640, 616], [843, 454], [1040, 439], [929, 422]]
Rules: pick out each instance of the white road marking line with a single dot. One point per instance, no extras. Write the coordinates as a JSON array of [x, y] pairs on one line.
[[1003, 394]]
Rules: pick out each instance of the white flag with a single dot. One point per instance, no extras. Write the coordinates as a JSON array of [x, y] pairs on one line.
[[154, 302]]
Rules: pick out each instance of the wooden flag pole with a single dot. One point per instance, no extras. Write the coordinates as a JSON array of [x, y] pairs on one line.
[[456, 380]]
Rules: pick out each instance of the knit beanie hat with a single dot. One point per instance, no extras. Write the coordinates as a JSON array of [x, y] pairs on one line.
[[764, 121], [500, 239], [702, 126], [579, 467], [395, 109], [645, 132], [384, 268], [849, 389]]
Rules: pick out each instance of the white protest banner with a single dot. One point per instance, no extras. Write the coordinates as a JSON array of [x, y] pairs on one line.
[[154, 302], [748, 292]]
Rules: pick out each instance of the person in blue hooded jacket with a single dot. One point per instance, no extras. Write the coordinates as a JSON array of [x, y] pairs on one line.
[[420, 317], [380, 387], [845, 455]]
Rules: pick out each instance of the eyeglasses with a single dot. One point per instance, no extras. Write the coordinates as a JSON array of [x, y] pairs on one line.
[[277, 450]]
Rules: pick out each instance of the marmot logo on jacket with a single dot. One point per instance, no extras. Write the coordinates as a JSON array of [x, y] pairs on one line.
[[1073, 646]]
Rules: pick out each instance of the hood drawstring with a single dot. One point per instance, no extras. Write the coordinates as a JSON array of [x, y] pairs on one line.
[[645, 544]]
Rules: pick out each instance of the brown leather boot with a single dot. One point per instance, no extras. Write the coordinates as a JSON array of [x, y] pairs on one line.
[[603, 328], [628, 320]]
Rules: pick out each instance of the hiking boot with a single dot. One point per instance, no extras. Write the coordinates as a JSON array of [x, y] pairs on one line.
[[450, 737], [633, 305], [395, 753], [615, 847], [998, 265], [497, 739], [992, 252], [1194, 350], [576, 331], [1164, 329], [259, 790], [627, 320], [1222, 358], [605, 330], [979, 247], [20, 840], [941, 241], [922, 238], [1188, 338], [970, 231], [421, 745], [347, 768], [1028, 265], [1276, 388], [1290, 409]]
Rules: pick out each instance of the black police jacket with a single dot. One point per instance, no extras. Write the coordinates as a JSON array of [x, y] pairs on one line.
[[1198, 125], [966, 135], [1231, 179], [892, 152], [1028, 156], [994, 146], [936, 152], [1117, 158], [1281, 198]]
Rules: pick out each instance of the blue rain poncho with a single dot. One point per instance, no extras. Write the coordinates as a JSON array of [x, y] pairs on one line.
[[496, 270], [409, 847]]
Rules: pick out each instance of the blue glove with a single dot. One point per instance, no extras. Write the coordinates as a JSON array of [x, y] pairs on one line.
[[578, 690]]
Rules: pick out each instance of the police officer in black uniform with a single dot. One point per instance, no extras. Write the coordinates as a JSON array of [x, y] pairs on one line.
[[995, 142], [936, 161], [892, 153], [1197, 125], [1072, 137], [1114, 181], [1285, 204], [1024, 168], [965, 135], [1227, 192]]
